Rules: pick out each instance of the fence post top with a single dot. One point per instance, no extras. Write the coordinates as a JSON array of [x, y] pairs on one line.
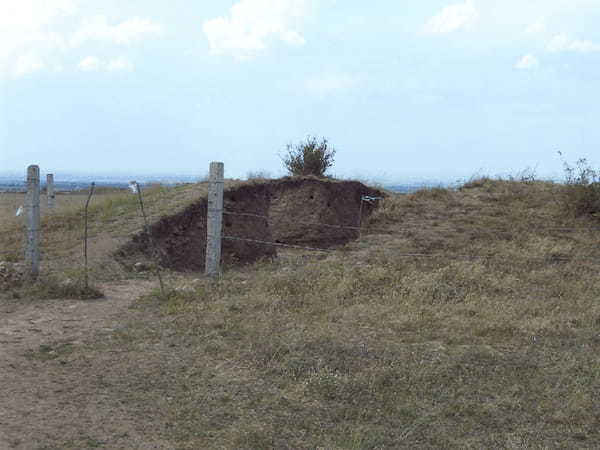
[[33, 170], [217, 167], [217, 172]]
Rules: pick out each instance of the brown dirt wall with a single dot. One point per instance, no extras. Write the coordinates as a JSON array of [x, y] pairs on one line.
[[285, 211]]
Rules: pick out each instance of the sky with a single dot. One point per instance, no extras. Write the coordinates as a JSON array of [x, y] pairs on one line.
[[404, 91]]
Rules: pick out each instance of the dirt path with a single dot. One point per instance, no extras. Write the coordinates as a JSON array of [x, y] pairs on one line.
[[46, 399]]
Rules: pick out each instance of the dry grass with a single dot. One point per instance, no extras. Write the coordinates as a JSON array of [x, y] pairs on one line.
[[492, 343], [49, 287], [114, 215]]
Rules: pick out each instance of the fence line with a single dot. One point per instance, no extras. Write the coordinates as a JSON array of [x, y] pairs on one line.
[[404, 226], [278, 244], [410, 226], [421, 255], [327, 225], [46, 241]]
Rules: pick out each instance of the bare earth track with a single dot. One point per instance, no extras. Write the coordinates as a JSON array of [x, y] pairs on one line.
[[47, 401]]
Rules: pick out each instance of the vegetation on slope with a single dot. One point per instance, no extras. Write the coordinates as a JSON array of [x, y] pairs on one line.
[[463, 318]]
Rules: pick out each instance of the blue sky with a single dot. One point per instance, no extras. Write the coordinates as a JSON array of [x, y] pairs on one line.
[[437, 89]]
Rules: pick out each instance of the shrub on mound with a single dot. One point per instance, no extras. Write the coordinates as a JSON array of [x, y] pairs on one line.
[[581, 194], [311, 157]]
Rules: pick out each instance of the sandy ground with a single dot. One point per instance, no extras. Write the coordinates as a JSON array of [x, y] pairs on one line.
[[47, 402]]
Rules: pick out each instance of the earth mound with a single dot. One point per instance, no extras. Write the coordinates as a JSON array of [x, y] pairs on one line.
[[296, 211]]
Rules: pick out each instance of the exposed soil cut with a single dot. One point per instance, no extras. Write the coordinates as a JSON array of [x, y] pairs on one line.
[[293, 211]]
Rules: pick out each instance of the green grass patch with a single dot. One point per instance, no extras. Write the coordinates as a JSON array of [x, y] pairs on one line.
[[53, 287], [47, 352]]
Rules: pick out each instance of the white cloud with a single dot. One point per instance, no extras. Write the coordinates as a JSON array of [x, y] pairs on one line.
[[562, 43], [95, 64], [24, 32], [528, 62], [252, 24], [90, 64], [26, 64], [460, 16], [127, 32], [19, 15], [536, 28], [34, 35], [333, 84], [121, 64]]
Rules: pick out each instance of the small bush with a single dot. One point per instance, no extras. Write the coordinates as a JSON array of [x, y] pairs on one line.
[[582, 189], [311, 157]]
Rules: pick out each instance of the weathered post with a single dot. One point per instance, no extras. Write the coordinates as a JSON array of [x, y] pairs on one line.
[[214, 219], [85, 235], [50, 191], [32, 214]]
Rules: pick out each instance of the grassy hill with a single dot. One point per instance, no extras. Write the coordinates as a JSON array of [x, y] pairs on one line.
[[464, 318]]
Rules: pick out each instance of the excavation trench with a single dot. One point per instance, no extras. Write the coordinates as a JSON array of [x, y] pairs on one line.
[[306, 212]]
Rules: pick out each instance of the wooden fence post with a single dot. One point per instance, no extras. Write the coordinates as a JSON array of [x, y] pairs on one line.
[[214, 219], [32, 213], [50, 191]]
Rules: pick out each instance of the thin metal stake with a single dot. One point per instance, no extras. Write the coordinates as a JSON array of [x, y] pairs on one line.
[[147, 229], [362, 200], [85, 235]]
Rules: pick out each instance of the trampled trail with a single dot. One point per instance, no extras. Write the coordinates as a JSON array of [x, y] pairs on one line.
[[49, 400]]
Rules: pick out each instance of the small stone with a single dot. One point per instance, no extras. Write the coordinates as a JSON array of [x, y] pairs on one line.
[[140, 267]]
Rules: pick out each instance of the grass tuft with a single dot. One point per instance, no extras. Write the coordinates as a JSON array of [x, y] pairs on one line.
[[52, 287]]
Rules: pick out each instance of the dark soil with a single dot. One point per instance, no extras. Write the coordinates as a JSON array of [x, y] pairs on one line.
[[290, 211]]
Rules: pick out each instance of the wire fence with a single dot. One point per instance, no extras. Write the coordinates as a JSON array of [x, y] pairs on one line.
[[143, 220], [411, 226], [277, 244], [455, 256]]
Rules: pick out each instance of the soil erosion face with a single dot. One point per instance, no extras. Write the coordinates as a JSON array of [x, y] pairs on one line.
[[288, 211]]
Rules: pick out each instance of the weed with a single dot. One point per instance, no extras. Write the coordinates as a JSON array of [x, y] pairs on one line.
[[12, 258], [47, 352], [52, 287], [581, 193]]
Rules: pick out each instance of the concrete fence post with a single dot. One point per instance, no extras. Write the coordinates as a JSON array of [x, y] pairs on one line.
[[50, 191], [214, 219], [32, 214]]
